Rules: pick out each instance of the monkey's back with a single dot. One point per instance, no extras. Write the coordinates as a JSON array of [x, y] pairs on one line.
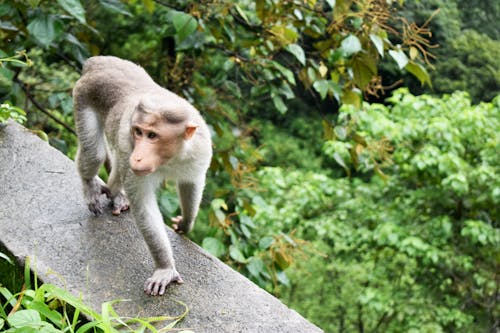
[[107, 80]]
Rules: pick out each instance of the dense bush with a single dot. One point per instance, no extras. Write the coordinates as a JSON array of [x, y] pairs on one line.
[[417, 252]]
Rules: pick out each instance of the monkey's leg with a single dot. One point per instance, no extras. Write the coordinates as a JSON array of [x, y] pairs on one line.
[[118, 198], [190, 195], [150, 222], [90, 156]]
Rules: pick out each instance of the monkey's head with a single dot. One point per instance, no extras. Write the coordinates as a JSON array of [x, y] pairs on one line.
[[158, 136]]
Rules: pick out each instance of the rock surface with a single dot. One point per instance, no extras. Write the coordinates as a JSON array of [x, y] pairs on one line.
[[43, 216]]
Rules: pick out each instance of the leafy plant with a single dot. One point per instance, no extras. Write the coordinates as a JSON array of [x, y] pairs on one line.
[[7, 111], [50, 309]]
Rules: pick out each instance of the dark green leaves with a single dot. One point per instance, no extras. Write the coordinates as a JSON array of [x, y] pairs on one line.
[[75, 8], [45, 29], [184, 24], [214, 246], [115, 6]]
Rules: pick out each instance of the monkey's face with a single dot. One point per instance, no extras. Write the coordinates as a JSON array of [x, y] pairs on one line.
[[155, 142]]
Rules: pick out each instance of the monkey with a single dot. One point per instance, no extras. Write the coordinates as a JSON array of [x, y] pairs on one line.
[[149, 134]]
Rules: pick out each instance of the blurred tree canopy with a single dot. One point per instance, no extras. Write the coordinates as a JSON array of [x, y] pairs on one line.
[[469, 47], [377, 217]]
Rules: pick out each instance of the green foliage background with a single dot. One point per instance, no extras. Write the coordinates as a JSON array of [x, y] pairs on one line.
[[365, 208]]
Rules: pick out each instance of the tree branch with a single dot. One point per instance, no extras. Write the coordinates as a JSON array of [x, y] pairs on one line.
[[32, 99]]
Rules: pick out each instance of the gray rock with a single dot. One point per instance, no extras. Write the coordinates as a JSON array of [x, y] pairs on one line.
[[43, 216]]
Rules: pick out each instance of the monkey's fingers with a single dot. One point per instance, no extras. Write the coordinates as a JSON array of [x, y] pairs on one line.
[[157, 284], [176, 224], [177, 219]]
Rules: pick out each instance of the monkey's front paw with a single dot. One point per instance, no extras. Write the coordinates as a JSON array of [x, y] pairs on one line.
[[156, 285]]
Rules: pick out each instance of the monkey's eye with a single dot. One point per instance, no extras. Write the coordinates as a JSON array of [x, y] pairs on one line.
[[152, 135], [137, 131]]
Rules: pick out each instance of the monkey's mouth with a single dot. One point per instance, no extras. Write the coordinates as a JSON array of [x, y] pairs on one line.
[[141, 172]]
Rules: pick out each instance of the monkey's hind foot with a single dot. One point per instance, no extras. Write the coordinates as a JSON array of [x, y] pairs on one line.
[[180, 226], [120, 203], [157, 284], [93, 190]]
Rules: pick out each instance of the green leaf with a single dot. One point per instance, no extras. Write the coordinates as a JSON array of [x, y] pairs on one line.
[[279, 104], [233, 88], [298, 52], [45, 29], [184, 24], [75, 8], [236, 254], [242, 13], [328, 133], [44, 310], [288, 74], [284, 90], [331, 3], [168, 203], [283, 278], [247, 220], [364, 69], [255, 266], [214, 246], [266, 242], [340, 132], [5, 257], [217, 205], [419, 72], [115, 6], [284, 34], [350, 45], [321, 86], [24, 318], [351, 97], [400, 57], [340, 160], [379, 44], [324, 87]]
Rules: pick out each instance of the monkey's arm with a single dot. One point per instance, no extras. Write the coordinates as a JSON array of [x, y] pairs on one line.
[[150, 222], [190, 194]]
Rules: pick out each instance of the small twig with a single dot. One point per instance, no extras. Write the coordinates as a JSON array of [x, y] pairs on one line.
[[164, 4], [19, 300], [32, 99], [69, 62]]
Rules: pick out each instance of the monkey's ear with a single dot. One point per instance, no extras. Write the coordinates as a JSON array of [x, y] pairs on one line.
[[190, 130]]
